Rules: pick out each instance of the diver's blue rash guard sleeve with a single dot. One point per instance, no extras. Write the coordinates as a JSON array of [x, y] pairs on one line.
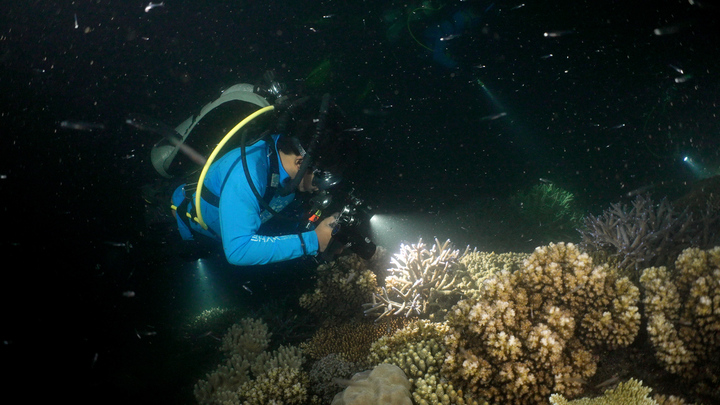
[[239, 219]]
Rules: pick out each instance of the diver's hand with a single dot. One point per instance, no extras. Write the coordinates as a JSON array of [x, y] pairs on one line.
[[324, 231]]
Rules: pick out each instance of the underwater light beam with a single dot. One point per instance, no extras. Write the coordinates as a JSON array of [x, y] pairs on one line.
[[204, 289]]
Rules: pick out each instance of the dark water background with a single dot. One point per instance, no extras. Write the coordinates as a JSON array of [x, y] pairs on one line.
[[601, 116]]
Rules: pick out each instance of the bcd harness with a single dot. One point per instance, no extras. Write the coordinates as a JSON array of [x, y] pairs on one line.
[[183, 210]]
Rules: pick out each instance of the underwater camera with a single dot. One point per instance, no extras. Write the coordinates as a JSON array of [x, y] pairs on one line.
[[351, 230]]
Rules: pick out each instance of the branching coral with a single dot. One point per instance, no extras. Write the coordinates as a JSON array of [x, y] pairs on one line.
[[683, 312], [249, 374], [535, 331], [280, 385], [211, 320], [644, 235], [423, 281], [482, 265], [342, 287], [418, 349], [626, 393], [551, 209]]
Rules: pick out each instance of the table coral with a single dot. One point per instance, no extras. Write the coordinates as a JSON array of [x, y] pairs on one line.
[[352, 340], [535, 331], [683, 309], [422, 282]]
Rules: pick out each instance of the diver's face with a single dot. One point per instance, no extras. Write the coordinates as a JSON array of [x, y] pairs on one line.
[[306, 183]]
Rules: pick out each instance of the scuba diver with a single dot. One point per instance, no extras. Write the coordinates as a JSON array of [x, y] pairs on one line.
[[305, 151]]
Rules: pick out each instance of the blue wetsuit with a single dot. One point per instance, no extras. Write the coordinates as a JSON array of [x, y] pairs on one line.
[[236, 222]]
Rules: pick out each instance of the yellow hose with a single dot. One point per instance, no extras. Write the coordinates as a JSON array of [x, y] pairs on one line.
[[214, 153]]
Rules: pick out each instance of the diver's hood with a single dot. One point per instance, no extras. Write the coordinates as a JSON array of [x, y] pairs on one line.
[[164, 152]]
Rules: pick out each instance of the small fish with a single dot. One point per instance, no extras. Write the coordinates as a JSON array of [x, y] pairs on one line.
[[81, 125], [94, 360], [128, 294], [449, 37], [545, 180], [683, 78], [677, 69], [518, 6], [609, 381], [152, 5], [127, 245], [669, 30], [493, 117], [556, 34], [246, 288], [548, 56], [76, 22]]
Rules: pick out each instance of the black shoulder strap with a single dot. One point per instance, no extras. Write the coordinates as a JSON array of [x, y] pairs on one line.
[[272, 181]]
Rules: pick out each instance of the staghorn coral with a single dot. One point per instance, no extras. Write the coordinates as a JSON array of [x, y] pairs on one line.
[[249, 374], [385, 384], [351, 340], [423, 282], [535, 331], [644, 235], [552, 212], [683, 309], [418, 349], [628, 392], [342, 287]]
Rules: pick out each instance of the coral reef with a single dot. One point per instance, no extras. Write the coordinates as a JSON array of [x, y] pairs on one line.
[[482, 265], [351, 340], [423, 282], [626, 393], [386, 384], [249, 374], [342, 287], [537, 330], [324, 371], [210, 320], [644, 235], [280, 385], [550, 210], [683, 310], [418, 349]]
